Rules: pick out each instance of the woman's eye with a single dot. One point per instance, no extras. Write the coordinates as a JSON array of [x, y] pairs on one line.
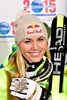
[[27, 42], [40, 40]]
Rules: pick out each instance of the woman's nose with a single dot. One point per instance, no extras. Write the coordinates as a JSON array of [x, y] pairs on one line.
[[35, 45]]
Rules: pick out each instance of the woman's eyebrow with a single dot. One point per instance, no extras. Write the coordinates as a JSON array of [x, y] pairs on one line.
[[41, 37], [31, 38], [26, 39]]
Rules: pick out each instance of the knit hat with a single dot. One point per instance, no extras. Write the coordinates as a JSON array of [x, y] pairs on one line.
[[29, 26]]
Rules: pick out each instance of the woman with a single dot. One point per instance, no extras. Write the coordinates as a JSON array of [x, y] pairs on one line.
[[29, 67]]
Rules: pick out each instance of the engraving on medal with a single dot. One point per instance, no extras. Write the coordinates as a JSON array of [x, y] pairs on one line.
[[20, 84]]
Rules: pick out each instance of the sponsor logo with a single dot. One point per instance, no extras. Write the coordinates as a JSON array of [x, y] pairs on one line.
[[4, 28], [7, 30], [40, 7], [33, 29], [37, 6]]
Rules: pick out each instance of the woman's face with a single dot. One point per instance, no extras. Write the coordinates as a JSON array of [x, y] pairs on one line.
[[33, 48]]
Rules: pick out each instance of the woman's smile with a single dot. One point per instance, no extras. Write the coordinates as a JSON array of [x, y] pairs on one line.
[[34, 53]]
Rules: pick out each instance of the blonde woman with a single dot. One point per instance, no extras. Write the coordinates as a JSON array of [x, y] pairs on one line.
[[29, 66]]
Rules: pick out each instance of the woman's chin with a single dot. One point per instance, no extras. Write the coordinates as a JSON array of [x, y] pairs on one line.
[[36, 60]]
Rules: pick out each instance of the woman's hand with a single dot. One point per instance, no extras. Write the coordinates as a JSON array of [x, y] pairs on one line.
[[25, 89]]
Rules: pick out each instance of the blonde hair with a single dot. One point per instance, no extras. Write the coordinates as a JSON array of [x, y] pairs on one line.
[[18, 61], [20, 64], [48, 53]]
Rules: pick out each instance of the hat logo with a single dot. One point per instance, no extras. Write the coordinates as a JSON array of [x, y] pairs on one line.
[[33, 29]]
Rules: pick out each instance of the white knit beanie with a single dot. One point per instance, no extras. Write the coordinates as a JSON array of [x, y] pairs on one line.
[[29, 26]]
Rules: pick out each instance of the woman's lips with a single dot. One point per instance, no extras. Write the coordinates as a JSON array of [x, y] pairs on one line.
[[35, 53]]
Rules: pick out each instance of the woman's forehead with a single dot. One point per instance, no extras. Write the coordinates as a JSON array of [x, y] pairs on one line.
[[35, 37]]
